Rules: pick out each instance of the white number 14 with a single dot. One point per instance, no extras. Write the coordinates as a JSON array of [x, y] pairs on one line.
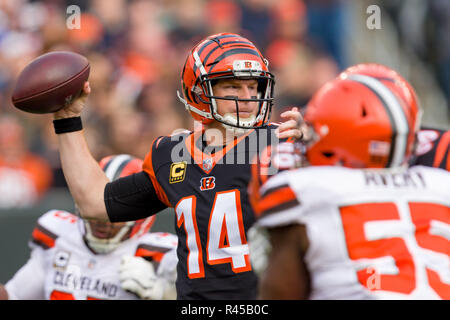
[[226, 241]]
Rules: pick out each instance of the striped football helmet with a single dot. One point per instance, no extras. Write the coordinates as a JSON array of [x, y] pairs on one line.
[[225, 56]]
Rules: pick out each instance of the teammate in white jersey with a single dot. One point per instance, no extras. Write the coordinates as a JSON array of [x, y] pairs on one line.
[[365, 226], [75, 259]]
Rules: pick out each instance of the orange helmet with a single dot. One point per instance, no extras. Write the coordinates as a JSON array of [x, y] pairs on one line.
[[225, 56], [390, 78], [360, 123], [103, 237]]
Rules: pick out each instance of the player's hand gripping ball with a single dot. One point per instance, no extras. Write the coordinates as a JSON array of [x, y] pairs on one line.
[[50, 82]]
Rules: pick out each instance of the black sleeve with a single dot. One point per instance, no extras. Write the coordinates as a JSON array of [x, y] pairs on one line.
[[131, 198]]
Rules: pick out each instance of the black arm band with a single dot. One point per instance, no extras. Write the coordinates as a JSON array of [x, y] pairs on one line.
[[66, 125]]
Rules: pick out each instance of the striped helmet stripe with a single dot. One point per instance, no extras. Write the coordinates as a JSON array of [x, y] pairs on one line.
[[114, 167], [235, 51], [235, 45], [396, 115], [199, 63], [209, 41]]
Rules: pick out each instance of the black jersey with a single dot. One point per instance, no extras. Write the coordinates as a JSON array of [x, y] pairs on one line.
[[433, 148], [208, 191]]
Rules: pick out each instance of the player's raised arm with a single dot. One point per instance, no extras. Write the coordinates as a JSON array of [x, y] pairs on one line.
[[56, 82], [85, 178]]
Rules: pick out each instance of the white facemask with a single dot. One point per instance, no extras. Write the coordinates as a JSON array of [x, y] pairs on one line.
[[103, 246]]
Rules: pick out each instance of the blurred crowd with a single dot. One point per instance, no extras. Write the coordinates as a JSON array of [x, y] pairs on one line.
[[424, 28], [136, 49]]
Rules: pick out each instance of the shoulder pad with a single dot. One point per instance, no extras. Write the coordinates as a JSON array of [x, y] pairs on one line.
[[170, 141], [276, 195], [436, 179], [50, 225], [162, 149], [154, 245]]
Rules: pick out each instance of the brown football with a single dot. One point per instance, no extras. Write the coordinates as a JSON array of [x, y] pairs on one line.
[[50, 82]]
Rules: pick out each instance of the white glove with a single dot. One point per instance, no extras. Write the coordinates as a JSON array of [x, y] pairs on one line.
[[259, 247], [167, 271], [137, 275]]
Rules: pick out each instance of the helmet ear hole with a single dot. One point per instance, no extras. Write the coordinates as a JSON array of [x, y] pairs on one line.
[[328, 154], [363, 111]]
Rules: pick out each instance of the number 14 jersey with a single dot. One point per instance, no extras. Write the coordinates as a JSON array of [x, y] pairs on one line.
[[208, 191]]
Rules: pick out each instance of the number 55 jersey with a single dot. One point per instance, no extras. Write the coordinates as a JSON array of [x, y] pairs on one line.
[[372, 234]]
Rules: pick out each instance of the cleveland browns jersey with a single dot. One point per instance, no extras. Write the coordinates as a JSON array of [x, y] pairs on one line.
[[433, 148], [208, 190], [372, 234], [62, 267]]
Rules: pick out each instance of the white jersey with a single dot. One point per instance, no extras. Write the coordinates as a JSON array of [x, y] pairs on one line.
[[373, 234], [62, 266]]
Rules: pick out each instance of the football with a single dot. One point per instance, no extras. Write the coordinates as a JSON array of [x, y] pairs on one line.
[[50, 82]]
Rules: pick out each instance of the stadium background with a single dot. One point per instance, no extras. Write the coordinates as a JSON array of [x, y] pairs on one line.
[[137, 49]]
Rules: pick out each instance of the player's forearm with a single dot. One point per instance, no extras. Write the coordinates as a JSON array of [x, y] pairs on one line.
[[286, 276], [85, 178]]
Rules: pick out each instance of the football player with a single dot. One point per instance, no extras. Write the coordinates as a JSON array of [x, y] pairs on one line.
[[433, 145], [203, 174], [433, 148], [77, 259], [359, 223]]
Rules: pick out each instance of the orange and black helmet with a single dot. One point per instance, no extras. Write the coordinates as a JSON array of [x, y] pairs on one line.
[[225, 56]]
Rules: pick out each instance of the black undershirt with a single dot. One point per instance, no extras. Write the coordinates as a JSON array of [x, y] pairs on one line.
[[134, 197], [131, 198]]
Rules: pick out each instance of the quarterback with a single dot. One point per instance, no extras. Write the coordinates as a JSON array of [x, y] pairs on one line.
[[228, 89]]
